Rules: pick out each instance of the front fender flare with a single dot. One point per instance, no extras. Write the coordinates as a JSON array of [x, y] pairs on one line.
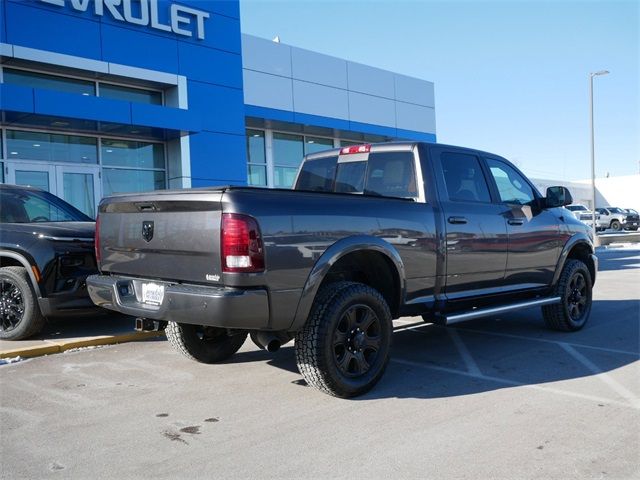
[[575, 240], [330, 256], [27, 265]]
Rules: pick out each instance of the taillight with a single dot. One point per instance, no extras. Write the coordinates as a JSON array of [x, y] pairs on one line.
[[355, 149], [96, 240], [241, 244]]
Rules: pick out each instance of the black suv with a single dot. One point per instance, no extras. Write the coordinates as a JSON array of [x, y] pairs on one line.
[[46, 253]]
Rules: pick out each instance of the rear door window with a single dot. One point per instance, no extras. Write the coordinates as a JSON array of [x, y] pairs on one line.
[[391, 174], [464, 178]]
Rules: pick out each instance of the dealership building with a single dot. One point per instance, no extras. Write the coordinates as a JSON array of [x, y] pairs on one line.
[[105, 96]]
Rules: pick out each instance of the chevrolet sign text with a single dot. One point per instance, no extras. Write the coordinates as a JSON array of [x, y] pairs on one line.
[[182, 20]]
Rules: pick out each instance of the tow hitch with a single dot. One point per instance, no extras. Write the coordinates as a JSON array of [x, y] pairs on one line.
[[148, 325]]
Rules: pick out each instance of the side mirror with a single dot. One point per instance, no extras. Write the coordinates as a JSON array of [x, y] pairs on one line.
[[557, 197]]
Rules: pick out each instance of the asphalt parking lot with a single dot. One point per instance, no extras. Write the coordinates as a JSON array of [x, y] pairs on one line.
[[493, 398]]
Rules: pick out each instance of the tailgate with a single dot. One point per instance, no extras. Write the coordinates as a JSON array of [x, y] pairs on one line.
[[167, 236]]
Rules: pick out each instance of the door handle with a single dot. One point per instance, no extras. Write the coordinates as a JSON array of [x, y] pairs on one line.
[[457, 220], [515, 221]]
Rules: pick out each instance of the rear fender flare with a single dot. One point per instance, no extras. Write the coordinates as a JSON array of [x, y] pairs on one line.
[[330, 256]]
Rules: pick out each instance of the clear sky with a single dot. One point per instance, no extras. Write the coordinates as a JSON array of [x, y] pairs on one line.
[[511, 77]]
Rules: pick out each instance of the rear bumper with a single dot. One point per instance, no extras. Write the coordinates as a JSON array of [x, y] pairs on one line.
[[193, 304]]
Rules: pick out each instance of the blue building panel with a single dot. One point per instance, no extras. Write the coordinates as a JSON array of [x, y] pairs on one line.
[[219, 107], [139, 49], [221, 32], [16, 99], [209, 65], [223, 7], [59, 104], [3, 26], [218, 159], [165, 118], [36, 27]]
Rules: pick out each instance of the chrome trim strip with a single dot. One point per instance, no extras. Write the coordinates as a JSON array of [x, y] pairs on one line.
[[461, 317], [66, 239]]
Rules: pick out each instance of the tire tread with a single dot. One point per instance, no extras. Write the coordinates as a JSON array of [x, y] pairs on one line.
[[311, 364], [182, 341], [36, 322], [555, 316]]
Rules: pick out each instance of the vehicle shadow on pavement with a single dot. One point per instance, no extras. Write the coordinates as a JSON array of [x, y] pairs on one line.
[[624, 259], [431, 361]]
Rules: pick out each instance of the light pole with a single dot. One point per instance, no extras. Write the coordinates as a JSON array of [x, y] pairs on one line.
[[593, 161]]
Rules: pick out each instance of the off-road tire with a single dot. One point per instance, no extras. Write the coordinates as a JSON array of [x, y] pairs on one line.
[[31, 321], [559, 316], [615, 225], [203, 344], [316, 347]]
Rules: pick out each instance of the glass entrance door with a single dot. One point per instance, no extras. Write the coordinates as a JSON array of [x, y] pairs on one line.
[[34, 174], [78, 185]]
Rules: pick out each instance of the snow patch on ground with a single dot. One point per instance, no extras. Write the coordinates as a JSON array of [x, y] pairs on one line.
[[619, 246], [7, 361], [80, 349]]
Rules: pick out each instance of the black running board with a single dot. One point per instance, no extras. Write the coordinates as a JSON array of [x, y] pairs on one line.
[[486, 312]]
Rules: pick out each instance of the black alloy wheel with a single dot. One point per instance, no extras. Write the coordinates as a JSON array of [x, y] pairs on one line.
[[11, 305], [356, 340], [20, 315], [343, 348], [577, 296], [575, 291]]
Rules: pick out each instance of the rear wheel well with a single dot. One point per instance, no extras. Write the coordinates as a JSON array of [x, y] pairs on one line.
[[582, 252], [371, 268]]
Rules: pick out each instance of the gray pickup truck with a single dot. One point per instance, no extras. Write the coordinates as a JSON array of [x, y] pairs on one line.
[[368, 234]]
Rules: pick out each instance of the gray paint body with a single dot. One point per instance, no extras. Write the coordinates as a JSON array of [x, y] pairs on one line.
[[441, 266]]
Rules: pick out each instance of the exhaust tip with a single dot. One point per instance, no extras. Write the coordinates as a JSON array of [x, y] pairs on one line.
[[273, 346]]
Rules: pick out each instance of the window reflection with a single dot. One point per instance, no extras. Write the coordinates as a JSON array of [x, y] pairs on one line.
[[51, 147]]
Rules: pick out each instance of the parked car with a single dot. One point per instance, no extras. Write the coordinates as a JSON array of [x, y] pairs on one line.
[[585, 215], [46, 253], [613, 217], [397, 229], [632, 222]]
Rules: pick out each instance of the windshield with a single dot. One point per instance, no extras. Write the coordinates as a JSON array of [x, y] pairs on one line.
[[26, 206], [575, 208], [616, 210]]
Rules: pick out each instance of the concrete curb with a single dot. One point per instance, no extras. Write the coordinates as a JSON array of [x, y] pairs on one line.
[[58, 346]]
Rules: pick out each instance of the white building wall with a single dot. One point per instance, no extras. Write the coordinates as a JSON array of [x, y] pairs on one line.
[[622, 192], [293, 79]]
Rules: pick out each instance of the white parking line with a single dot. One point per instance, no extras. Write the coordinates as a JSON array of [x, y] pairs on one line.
[[599, 373], [514, 383], [415, 326], [472, 366]]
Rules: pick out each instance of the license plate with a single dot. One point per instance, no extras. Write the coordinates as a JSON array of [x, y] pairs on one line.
[[152, 293]]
